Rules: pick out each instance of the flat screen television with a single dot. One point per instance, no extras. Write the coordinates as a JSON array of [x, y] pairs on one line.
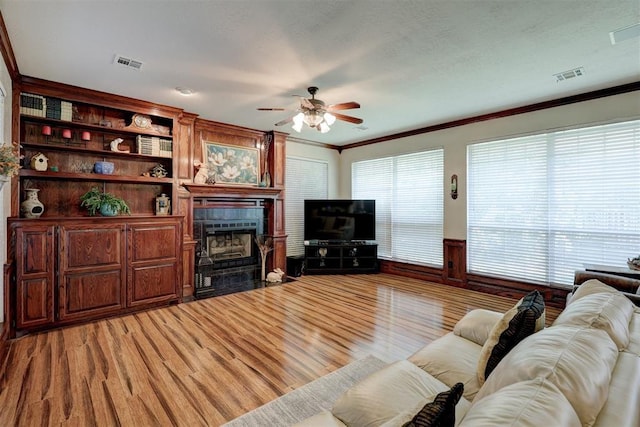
[[339, 220]]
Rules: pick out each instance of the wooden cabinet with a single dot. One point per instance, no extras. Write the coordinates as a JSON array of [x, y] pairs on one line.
[[70, 270], [34, 261], [154, 264], [91, 268], [341, 258]]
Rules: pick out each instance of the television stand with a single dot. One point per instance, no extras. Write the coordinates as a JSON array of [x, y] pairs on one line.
[[350, 257]]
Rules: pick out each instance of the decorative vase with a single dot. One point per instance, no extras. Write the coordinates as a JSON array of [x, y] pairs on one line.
[[163, 204], [3, 180], [266, 180], [32, 207], [107, 210], [103, 168]]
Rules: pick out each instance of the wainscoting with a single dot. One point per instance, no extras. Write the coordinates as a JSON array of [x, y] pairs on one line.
[[455, 274]]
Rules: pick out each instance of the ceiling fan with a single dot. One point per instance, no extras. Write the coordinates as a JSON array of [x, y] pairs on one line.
[[316, 114]]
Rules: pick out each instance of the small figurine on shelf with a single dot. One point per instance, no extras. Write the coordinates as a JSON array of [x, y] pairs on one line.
[[158, 171], [115, 146], [39, 162], [202, 176]]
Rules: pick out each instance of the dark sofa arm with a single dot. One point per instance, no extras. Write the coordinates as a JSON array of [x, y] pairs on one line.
[[626, 285]]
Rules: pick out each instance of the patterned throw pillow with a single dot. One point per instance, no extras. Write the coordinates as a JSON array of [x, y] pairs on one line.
[[524, 319], [441, 412]]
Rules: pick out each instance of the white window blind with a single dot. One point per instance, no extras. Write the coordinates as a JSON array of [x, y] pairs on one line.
[[408, 191], [306, 179], [540, 207]]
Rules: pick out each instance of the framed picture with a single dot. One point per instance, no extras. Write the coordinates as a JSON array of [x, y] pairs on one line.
[[231, 164]]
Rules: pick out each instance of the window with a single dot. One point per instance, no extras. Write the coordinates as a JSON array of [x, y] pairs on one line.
[[306, 179], [408, 191], [540, 207]]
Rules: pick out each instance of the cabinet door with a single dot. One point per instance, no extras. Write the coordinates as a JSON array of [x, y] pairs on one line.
[[34, 276], [154, 262], [92, 278]]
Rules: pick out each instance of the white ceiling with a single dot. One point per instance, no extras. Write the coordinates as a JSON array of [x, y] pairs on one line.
[[410, 64]]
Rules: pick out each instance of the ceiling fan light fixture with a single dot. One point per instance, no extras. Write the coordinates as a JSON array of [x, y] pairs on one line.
[[329, 118], [298, 121], [323, 127], [312, 118]]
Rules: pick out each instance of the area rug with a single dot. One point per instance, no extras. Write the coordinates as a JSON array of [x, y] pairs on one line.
[[309, 399]]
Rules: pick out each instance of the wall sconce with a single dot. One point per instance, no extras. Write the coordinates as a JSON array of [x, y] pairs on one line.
[[454, 186]]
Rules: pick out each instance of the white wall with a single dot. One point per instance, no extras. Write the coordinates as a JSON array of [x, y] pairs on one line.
[[5, 193], [455, 141]]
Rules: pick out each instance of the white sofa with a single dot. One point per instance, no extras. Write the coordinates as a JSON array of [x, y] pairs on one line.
[[584, 370]]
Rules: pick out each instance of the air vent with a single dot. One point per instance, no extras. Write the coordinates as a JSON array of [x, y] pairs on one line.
[[626, 33], [570, 74], [128, 62]]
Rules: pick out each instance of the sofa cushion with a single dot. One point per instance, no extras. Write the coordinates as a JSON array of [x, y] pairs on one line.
[[396, 391], [477, 324], [634, 333], [441, 412], [531, 403], [623, 406], [577, 360], [525, 318], [451, 359], [610, 312]]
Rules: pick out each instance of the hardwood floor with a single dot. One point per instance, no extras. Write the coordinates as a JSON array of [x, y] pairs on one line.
[[209, 361]]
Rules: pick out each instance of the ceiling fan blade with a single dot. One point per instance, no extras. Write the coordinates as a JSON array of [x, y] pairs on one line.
[[271, 109], [346, 118], [285, 121], [343, 106]]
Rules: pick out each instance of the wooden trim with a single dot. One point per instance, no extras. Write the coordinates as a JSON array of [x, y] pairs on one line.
[[422, 272], [5, 327], [7, 51], [313, 143], [90, 96], [554, 296], [205, 125], [4, 345], [616, 90], [216, 191]]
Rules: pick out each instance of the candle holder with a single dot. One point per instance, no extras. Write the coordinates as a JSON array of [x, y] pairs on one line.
[[46, 131], [66, 133]]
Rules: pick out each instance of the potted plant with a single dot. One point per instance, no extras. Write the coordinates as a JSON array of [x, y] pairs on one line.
[[105, 203], [9, 160]]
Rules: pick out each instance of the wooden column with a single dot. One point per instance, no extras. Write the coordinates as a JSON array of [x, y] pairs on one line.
[[277, 216], [185, 149]]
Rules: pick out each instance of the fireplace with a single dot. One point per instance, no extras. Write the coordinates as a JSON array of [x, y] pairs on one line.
[[227, 256]]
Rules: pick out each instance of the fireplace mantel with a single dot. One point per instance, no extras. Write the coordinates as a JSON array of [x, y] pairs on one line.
[[231, 191]]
